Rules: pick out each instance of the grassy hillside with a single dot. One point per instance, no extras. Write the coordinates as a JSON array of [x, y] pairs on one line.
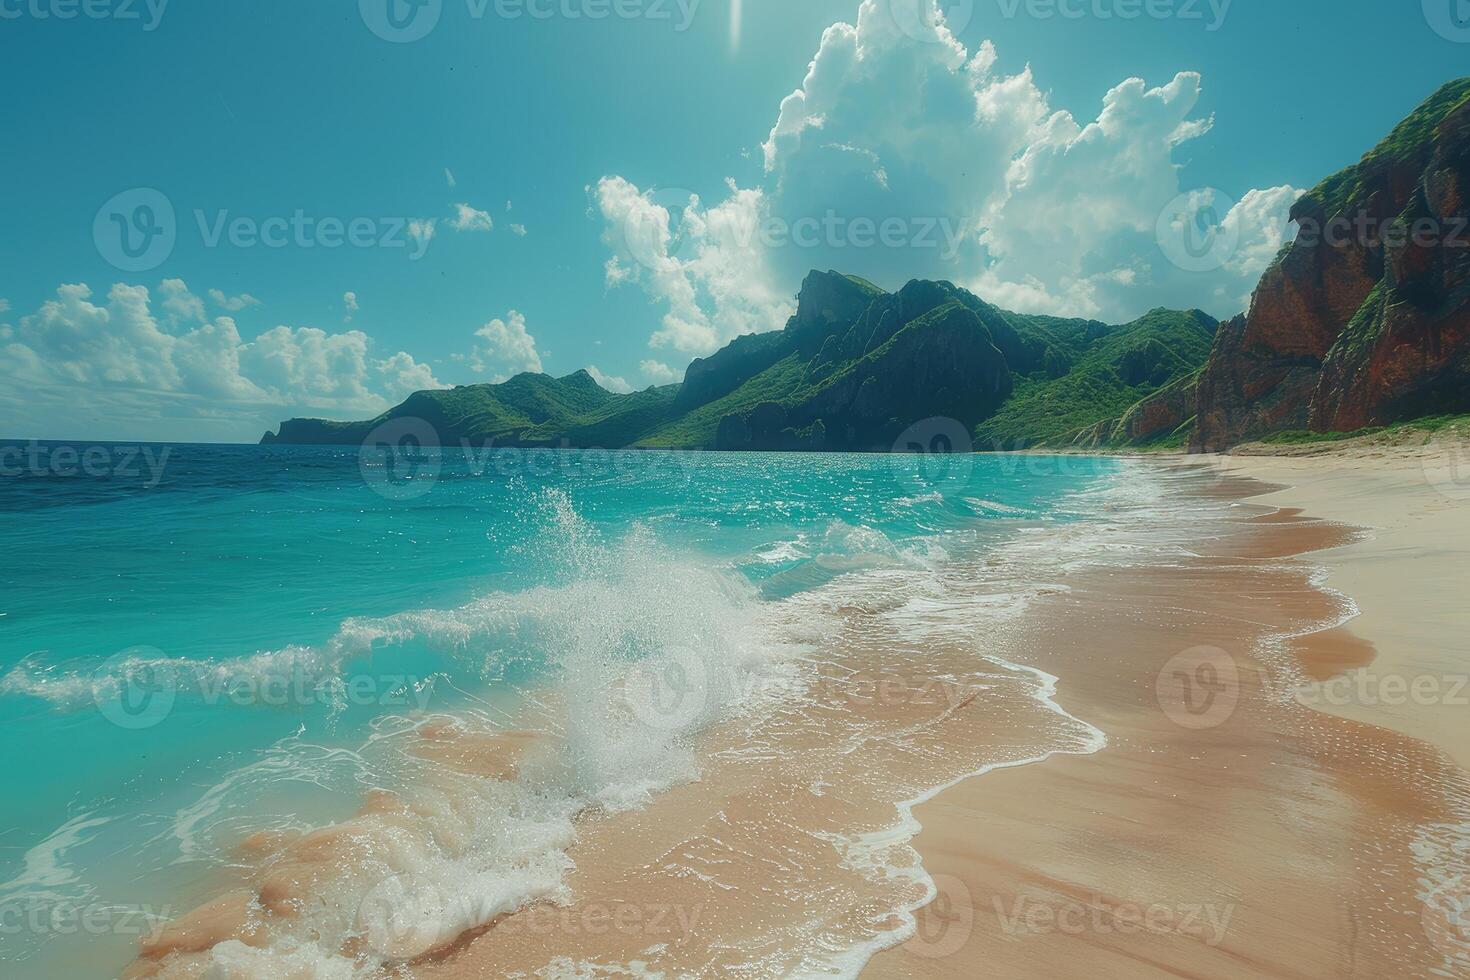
[[851, 370], [697, 428], [1111, 374]]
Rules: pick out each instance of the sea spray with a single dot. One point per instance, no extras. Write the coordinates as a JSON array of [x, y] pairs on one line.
[[643, 650]]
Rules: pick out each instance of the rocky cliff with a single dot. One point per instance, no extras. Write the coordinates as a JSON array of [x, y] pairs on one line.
[[1364, 319]]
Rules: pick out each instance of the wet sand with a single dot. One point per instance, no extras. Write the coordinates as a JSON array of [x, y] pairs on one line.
[[1309, 844], [763, 867]]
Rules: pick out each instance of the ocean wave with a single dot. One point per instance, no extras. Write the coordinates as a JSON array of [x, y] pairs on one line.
[[984, 507], [644, 650]]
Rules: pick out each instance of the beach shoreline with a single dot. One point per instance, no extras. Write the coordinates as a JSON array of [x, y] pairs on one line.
[[1405, 576], [1108, 772], [1375, 532]]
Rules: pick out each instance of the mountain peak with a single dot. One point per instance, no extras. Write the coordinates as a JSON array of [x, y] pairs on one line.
[[581, 378], [829, 298]]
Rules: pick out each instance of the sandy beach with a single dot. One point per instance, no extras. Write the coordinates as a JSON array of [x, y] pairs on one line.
[[1316, 828], [1407, 577], [1185, 755]]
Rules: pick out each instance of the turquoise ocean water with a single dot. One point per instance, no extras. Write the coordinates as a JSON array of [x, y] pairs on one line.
[[229, 644]]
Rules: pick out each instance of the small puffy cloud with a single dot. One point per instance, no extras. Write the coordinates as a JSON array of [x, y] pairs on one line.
[[422, 229], [449, 177], [518, 230], [610, 382], [505, 348], [704, 264], [467, 218], [401, 376], [232, 304], [1259, 224], [658, 372], [4, 306], [349, 303], [335, 370]]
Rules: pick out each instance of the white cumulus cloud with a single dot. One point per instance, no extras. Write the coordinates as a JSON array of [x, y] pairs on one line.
[[658, 372], [232, 304], [897, 158], [706, 264], [505, 348], [78, 362], [612, 383]]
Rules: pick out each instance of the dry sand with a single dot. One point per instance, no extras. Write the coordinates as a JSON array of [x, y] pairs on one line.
[[1410, 579]]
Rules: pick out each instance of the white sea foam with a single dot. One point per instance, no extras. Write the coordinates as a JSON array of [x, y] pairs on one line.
[[934, 497], [783, 552], [645, 651], [50, 874], [889, 854], [991, 507]]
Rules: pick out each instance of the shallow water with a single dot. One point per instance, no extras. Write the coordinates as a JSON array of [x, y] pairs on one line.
[[193, 672]]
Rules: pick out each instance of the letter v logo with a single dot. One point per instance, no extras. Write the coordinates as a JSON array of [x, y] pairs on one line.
[[1449, 18]]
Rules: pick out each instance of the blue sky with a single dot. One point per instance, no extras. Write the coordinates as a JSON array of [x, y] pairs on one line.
[[572, 130]]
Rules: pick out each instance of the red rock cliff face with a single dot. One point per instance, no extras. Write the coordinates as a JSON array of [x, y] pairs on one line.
[[1361, 321]]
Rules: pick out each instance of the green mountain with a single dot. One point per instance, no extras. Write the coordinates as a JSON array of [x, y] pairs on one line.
[[527, 410], [853, 368], [1363, 320]]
